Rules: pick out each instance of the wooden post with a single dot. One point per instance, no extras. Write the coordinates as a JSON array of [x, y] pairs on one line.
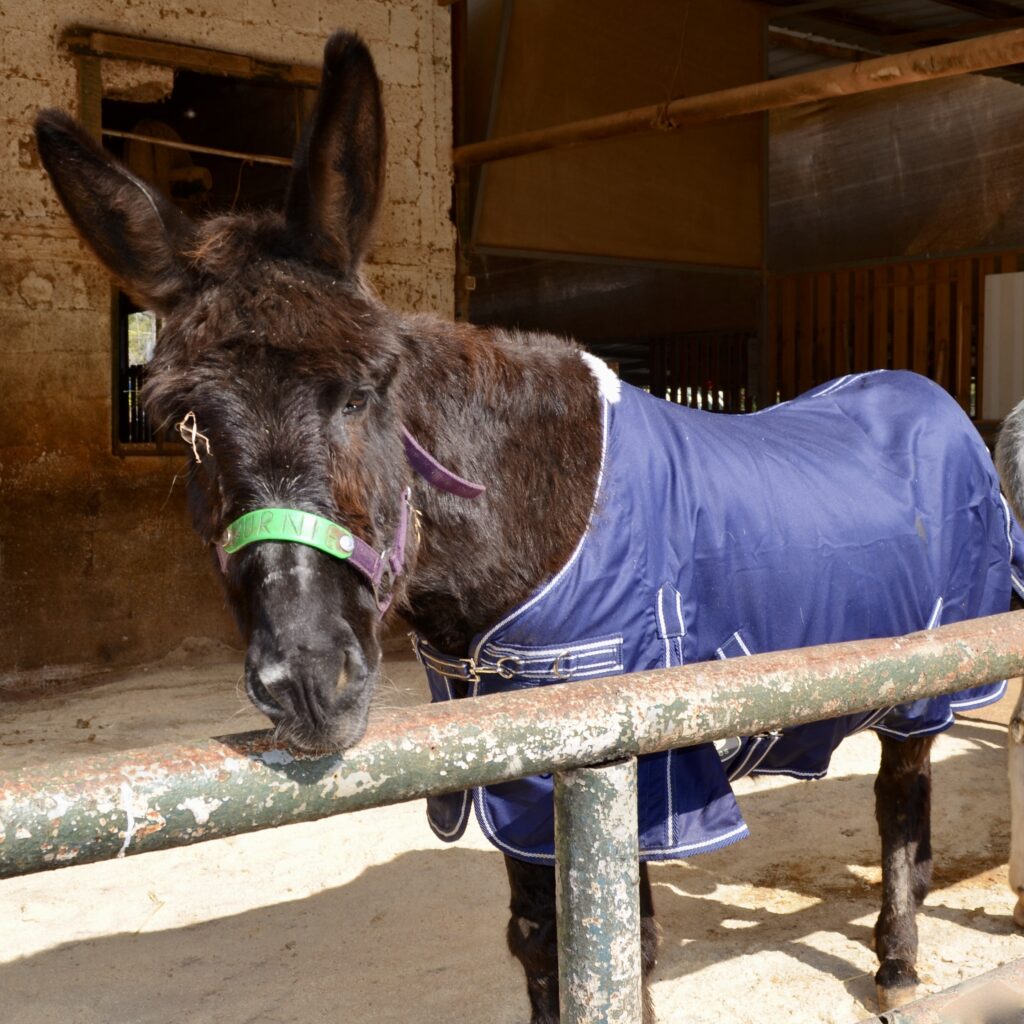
[[788, 387], [922, 334], [880, 319], [769, 369], [900, 317], [964, 332], [942, 329], [841, 338], [823, 339], [805, 333]]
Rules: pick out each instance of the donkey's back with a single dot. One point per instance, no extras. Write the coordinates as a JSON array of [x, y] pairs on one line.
[[868, 507]]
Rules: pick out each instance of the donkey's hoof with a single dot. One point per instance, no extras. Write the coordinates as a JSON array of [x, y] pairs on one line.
[[895, 984], [1018, 912], [894, 996]]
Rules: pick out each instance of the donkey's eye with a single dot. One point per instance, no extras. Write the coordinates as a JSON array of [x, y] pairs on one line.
[[356, 402]]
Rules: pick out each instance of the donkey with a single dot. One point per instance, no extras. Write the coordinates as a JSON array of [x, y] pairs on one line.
[[534, 519]]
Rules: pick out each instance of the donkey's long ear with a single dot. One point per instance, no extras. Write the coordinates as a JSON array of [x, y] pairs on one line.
[[338, 178], [138, 234]]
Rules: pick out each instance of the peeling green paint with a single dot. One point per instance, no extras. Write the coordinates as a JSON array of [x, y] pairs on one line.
[[598, 892]]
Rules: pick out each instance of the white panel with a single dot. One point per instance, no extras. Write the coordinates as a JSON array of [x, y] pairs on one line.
[[1003, 373]]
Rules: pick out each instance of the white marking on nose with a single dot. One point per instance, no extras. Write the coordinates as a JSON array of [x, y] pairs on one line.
[[303, 572], [271, 672], [303, 569]]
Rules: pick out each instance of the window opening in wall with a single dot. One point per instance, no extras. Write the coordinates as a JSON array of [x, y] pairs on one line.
[[136, 342], [210, 144]]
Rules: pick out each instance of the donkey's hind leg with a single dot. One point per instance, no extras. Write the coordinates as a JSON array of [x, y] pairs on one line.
[[533, 939], [903, 812]]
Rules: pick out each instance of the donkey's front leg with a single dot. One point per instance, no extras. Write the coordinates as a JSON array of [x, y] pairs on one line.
[[903, 812], [533, 938]]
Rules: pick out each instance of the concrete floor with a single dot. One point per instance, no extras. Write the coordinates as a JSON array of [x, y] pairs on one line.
[[368, 918]]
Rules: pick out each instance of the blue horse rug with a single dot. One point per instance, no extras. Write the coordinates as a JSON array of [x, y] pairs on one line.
[[868, 507]]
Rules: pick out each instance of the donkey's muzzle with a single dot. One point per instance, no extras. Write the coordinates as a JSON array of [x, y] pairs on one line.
[[317, 701]]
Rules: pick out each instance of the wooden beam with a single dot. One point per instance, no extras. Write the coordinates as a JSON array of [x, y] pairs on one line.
[[831, 83], [192, 58], [192, 147]]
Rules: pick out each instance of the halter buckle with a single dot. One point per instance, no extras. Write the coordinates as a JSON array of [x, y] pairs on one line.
[[474, 670]]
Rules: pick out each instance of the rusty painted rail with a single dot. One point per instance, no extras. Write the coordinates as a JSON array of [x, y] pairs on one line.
[[96, 808], [598, 890]]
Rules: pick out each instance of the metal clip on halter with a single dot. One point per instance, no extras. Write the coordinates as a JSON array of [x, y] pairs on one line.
[[474, 670], [467, 670]]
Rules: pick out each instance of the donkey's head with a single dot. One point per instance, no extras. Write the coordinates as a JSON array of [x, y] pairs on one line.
[[285, 371]]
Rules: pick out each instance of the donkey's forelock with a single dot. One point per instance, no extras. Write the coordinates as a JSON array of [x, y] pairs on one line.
[[253, 277], [256, 290]]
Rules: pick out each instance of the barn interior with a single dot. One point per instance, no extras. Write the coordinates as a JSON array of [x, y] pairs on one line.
[[728, 263], [735, 264]]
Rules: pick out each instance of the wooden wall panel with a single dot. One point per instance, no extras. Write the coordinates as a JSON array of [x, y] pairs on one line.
[[692, 196], [925, 316], [708, 371]]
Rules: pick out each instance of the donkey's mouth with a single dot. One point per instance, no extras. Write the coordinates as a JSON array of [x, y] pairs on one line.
[[313, 719]]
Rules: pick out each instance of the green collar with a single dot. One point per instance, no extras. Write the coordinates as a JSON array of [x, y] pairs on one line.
[[289, 524]]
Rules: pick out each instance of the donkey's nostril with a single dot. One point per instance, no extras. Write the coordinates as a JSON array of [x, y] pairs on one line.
[[352, 673], [260, 695]]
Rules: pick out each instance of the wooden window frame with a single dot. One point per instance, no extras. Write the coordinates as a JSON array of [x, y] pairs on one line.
[[88, 47]]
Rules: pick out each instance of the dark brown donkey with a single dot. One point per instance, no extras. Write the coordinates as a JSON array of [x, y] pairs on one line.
[[303, 392]]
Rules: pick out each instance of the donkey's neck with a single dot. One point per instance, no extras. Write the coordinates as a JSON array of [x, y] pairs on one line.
[[519, 413]]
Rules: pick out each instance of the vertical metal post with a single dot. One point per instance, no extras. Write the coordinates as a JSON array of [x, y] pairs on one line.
[[598, 891]]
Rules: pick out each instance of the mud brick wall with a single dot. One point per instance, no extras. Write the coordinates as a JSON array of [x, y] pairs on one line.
[[98, 564]]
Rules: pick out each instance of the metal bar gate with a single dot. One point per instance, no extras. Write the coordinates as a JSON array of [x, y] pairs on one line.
[[589, 733]]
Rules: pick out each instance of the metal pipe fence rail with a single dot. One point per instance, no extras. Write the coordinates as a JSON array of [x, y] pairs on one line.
[[100, 807]]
